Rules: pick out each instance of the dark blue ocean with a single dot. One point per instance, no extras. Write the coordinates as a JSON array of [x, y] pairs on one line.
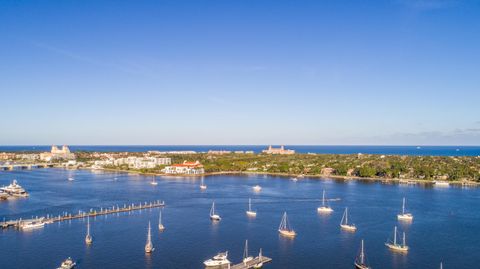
[[390, 150], [445, 225]]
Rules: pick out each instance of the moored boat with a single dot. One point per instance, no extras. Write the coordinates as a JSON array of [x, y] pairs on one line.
[[250, 212], [221, 259], [360, 261], [67, 264], [257, 188], [344, 222], [14, 190], [394, 245], [325, 208], [88, 237], [149, 246], [404, 215], [246, 258], [284, 228], [214, 216]]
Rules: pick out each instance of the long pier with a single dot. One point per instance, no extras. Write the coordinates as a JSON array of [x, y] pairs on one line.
[[92, 213], [255, 263]]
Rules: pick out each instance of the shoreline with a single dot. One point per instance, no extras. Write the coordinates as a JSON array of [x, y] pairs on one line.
[[320, 177]]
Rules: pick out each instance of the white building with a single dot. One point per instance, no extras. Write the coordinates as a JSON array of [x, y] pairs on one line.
[[186, 168]]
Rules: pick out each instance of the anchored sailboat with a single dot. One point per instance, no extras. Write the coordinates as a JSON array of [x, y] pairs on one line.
[[257, 188], [325, 208], [153, 182], [360, 262], [160, 224], [149, 246], [250, 212], [404, 216], [202, 185], [260, 260], [344, 222], [285, 228], [394, 245], [88, 237], [246, 258], [214, 216]]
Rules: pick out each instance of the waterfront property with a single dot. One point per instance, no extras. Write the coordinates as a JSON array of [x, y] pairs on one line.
[[57, 154], [185, 168], [280, 150]]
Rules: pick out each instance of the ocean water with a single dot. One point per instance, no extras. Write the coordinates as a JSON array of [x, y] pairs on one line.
[[391, 150], [445, 226]]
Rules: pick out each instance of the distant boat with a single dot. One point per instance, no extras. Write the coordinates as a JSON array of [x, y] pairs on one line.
[[344, 222], [213, 215], [285, 228], [257, 188], [149, 246], [442, 183], [88, 237], [153, 182], [160, 224], [202, 185], [294, 179], [394, 245], [360, 262], [324, 208], [404, 216], [250, 212], [67, 264], [260, 259], [246, 258], [419, 147], [71, 179], [36, 224], [221, 259]]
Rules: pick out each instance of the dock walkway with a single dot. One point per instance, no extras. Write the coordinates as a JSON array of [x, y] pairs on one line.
[[252, 263], [92, 213]]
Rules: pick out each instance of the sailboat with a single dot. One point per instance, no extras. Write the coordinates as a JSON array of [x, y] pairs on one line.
[[149, 246], [260, 259], [394, 245], [202, 185], [160, 224], [153, 182], [344, 222], [246, 258], [325, 208], [360, 262], [257, 188], [88, 237], [404, 216], [285, 228], [214, 216], [250, 212]]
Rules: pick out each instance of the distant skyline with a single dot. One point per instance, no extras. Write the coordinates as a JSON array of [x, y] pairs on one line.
[[251, 72]]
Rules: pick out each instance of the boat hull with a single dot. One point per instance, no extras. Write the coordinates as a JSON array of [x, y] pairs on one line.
[[215, 217], [398, 248], [324, 209], [405, 217], [287, 233], [349, 228], [361, 266], [252, 213]]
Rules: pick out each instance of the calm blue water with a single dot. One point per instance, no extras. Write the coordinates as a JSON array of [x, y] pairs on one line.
[[445, 227], [394, 150]]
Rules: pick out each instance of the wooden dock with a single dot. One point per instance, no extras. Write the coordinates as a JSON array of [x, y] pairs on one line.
[[92, 213], [252, 263]]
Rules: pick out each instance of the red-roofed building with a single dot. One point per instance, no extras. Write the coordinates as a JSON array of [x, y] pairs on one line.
[[185, 168]]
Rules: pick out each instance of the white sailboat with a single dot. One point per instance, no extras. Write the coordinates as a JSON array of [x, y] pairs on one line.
[[202, 185], [149, 246], [260, 261], [325, 208], [153, 182], [360, 262], [285, 228], [161, 227], [88, 237], [404, 215], [394, 245], [257, 188], [246, 258], [344, 222], [250, 212], [213, 215]]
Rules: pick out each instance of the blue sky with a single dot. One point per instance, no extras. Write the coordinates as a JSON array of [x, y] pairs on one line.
[[240, 72]]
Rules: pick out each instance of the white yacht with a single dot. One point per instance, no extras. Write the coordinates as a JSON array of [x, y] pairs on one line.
[[284, 228], [88, 237], [394, 245], [67, 264], [250, 212], [246, 258], [257, 188], [161, 227], [221, 259], [325, 208], [71, 179], [404, 215], [202, 185], [213, 215], [14, 189], [34, 224], [149, 246], [344, 222]]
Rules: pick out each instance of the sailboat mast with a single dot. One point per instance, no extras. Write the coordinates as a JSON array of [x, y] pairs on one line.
[[404, 239], [323, 198], [149, 235], [245, 252], [403, 206], [160, 218], [362, 255], [88, 226], [395, 236], [346, 215], [249, 204]]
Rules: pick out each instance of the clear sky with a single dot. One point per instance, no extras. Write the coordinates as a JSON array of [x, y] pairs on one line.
[[240, 72]]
